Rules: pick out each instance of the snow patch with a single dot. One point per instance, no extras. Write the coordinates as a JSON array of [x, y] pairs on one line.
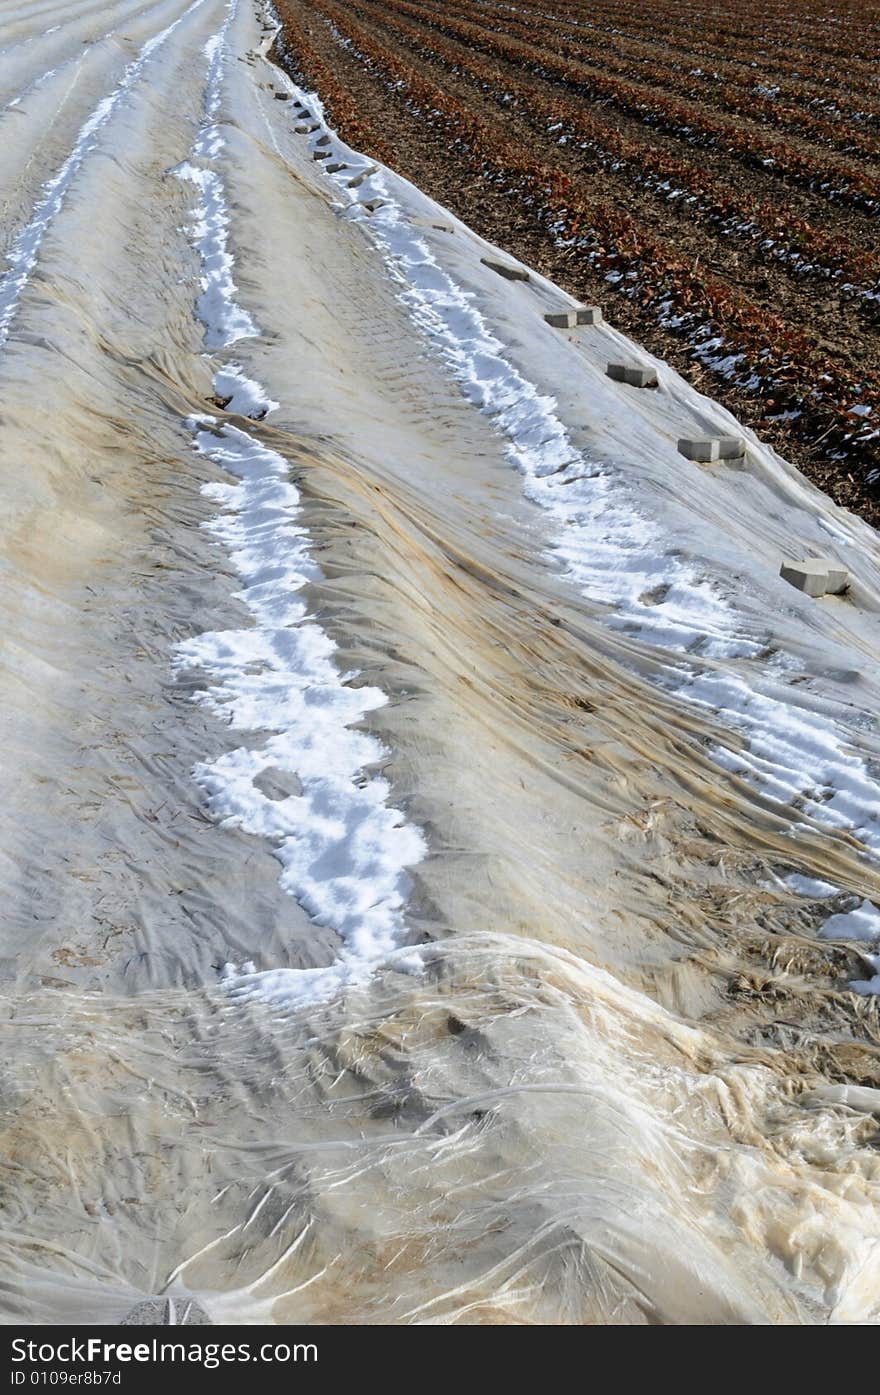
[[868, 987], [223, 317], [241, 394], [863, 923]]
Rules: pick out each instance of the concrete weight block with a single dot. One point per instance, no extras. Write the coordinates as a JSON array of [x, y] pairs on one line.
[[838, 579], [731, 447], [562, 319], [707, 448], [702, 450], [589, 315], [810, 576], [633, 374], [506, 269], [816, 576]]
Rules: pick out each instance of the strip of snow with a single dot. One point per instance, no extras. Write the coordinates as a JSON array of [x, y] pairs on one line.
[[343, 848], [217, 308], [22, 256], [31, 87]]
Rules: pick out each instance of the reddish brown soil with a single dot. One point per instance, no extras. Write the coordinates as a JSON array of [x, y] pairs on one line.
[[379, 118]]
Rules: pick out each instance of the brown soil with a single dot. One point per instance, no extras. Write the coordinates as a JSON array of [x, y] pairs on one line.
[[846, 327], [846, 331]]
